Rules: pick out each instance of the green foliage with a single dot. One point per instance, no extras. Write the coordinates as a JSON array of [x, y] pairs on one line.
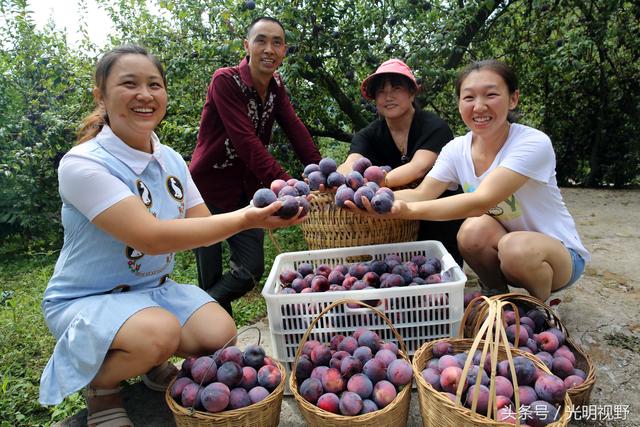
[[25, 342], [577, 62]]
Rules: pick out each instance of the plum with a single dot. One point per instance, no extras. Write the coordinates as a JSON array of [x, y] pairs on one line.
[[253, 356], [384, 393], [312, 167], [361, 192], [302, 188], [343, 194], [350, 403], [550, 388], [335, 179], [330, 402], [354, 180], [277, 185], [361, 164], [204, 370], [311, 389], [327, 165], [239, 398], [361, 385], [269, 377], [399, 372], [374, 174], [258, 393], [215, 397], [263, 197], [178, 386], [287, 191], [316, 179], [289, 208]]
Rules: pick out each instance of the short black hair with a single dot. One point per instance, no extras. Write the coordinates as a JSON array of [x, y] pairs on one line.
[[378, 82], [263, 18]]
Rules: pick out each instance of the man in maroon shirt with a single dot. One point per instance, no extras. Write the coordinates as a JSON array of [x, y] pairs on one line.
[[231, 160]]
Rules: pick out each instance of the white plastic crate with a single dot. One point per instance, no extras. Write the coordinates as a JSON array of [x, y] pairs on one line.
[[419, 313]]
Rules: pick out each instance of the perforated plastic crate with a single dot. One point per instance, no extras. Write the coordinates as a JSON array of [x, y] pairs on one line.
[[419, 313]]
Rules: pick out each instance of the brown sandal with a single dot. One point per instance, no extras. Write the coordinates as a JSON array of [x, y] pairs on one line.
[[112, 417], [158, 378]]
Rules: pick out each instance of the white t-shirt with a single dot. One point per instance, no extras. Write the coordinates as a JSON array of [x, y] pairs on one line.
[[91, 188], [537, 205]]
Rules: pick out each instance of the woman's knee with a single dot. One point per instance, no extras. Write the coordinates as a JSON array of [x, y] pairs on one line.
[[472, 236], [154, 334]]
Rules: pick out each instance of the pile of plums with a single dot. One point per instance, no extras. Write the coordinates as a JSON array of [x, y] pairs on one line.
[[352, 375], [365, 180], [229, 379], [547, 343], [383, 273], [541, 394], [291, 193]]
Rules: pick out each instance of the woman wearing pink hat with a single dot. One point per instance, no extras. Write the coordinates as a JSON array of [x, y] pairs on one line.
[[404, 137], [518, 230]]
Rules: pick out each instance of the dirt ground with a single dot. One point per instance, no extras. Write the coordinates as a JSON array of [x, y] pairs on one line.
[[601, 312]]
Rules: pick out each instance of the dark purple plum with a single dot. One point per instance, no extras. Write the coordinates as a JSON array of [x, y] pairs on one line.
[[350, 403], [361, 192], [315, 180], [258, 393], [382, 203], [311, 389], [263, 197], [215, 397], [302, 188], [239, 398], [305, 268], [289, 208], [355, 180], [287, 191], [253, 356], [312, 167], [335, 179], [361, 164], [327, 165], [342, 195], [230, 374]]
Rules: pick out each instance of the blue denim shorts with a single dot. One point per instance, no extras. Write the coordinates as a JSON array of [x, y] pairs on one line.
[[576, 271]]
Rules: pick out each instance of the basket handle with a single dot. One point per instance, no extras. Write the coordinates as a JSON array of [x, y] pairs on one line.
[[495, 336], [305, 337]]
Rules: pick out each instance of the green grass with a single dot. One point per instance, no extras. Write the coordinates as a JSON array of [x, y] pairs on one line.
[[26, 343]]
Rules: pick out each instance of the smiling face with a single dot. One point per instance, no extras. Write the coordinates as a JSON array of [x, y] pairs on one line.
[[266, 48], [485, 102], [135, 99], [393, 99]]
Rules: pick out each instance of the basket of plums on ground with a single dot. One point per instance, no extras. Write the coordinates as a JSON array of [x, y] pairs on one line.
[[535, 396], [230, 388], [541, 333], [355, 379], [417, 285], [330, 226]]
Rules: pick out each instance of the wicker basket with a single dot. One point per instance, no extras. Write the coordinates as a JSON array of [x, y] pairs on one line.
[[438, 410], [329, 226], [394, 414], [265, 413], [580, 394]]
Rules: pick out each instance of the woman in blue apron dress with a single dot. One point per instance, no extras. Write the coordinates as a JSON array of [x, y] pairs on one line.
[[128, 204]]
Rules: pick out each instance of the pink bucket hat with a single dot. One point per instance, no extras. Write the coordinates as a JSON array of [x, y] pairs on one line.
[[392, 66]]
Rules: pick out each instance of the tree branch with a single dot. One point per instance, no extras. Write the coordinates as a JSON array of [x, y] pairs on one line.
[[336, 134]]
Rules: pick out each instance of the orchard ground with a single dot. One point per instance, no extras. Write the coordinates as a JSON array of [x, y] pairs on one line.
[[600, 313]]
